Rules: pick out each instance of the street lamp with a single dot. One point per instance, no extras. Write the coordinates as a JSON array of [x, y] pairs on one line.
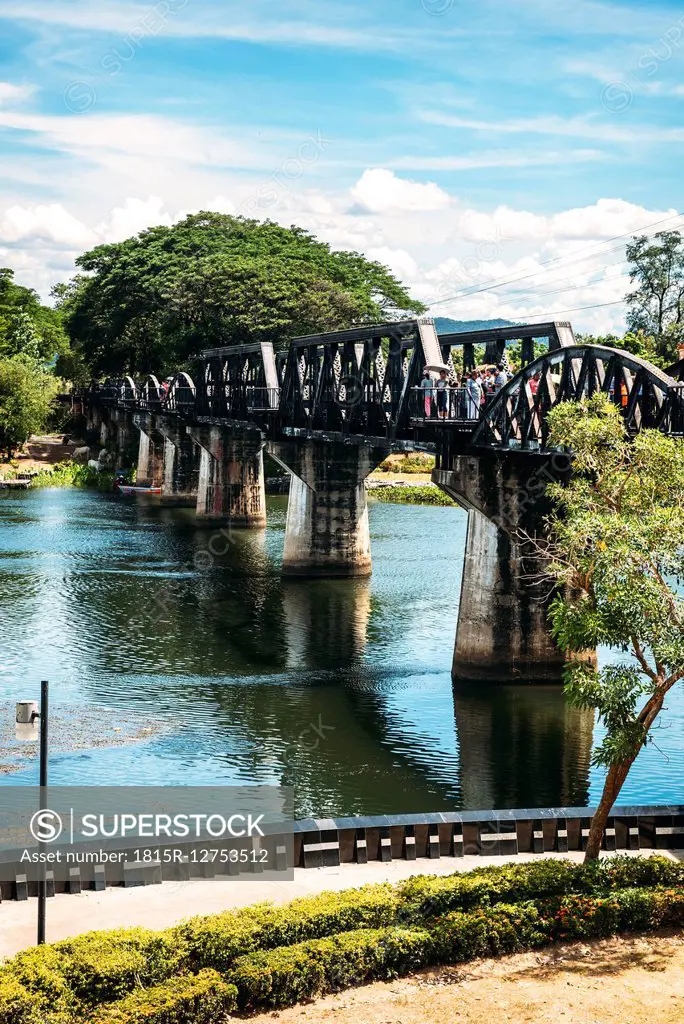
[[27, 715]]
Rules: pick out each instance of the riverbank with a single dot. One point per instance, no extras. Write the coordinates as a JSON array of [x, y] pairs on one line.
[[611, 981], [408, 493], [41, 453]]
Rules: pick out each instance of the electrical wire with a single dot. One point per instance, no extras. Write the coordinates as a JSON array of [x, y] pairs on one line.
[[577, 257]]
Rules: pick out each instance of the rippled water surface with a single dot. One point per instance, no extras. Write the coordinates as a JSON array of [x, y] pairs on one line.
[[340, 688]]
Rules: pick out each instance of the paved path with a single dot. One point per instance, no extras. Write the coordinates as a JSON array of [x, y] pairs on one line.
[[158, 906]]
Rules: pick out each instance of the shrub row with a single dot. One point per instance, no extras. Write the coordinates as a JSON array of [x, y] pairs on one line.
[[78, 975], [429, 896], [280, 977], [203, 998]]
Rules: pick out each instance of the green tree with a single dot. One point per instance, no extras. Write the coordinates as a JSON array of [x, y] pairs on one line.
[[656, 306], [23, 336], [637, 342], [156, 300], [27, 393], [25, 321], [616, 555]]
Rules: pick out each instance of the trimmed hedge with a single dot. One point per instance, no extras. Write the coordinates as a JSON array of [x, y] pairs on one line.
[[280, 977], [216, 941], [429, 896], [322, 943], [202, 998]]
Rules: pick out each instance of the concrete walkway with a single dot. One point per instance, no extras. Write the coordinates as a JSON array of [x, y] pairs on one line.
[[159, 906]]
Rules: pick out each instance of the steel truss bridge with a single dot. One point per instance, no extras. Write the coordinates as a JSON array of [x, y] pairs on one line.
[[365, 382]]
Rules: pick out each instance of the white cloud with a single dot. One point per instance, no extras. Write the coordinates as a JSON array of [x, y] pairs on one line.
[[471, 263], [496, 158], [607, 218], [50, 223], [301, 25], [132, 218], [596, 128], [381, 191], [11, 93], [399, 261]]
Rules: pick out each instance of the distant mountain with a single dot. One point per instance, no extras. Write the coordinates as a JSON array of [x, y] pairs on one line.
[[445, 325]]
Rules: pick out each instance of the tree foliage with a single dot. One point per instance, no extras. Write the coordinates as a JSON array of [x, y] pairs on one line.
[[27, 393], [617, 556], [25, 324], [656, 305], [638, 343], [156, 300]]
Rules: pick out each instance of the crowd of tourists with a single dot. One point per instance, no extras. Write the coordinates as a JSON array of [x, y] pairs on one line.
[[462, 395]]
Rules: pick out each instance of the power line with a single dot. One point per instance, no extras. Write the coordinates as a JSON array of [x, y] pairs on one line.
[[561, 284], [562, 288], [577, 256], [577, 309]]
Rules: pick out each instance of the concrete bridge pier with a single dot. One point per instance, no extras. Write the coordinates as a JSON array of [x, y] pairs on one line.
[[123, 437], [503, 632], [180, 475], [231, 486], [93, 424], [150, 471], [326, 532]]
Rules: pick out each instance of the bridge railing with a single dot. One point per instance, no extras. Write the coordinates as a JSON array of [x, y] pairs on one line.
[[237, 401], [456, 407]]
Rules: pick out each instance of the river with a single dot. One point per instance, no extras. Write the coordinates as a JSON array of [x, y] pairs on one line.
[[189, 644]]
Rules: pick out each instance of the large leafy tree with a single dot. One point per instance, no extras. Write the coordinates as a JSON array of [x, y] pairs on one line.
[[156, 300], [27, 393], [25, 324], [656, 305], [617, 556]]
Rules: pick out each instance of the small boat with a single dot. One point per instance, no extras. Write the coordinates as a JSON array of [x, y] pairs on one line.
[[129, 489]]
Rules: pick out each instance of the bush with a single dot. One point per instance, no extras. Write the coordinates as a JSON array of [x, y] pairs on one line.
[[217, 940], [416, 463], [426, 495], [280, 977], [102, 966], [592, 917], [19, 1005], [73, 474], [430, 896], [189, 999], [33, 988], [489, 931]]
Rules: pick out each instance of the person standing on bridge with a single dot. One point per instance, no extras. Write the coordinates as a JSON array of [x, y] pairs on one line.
[[426, 385], [442, 386], [501, 379], [473, 396]]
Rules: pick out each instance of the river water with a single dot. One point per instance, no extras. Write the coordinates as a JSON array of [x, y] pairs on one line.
[[190, 641]]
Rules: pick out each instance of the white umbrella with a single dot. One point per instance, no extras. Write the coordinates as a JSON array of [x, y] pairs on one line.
[[437, 367]]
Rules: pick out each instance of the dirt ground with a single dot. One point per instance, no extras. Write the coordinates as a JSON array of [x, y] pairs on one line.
[[616, 980], [41, 453]]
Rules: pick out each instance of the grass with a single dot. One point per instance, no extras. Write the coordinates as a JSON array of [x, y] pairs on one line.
[[71, 474], [426, 495]]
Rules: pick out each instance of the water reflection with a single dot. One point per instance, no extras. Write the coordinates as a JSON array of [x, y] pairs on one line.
[[521, 746], [326, 622]]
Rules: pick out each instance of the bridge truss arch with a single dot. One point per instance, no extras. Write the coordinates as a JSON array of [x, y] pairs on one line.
[[180, 397], [518, 417]]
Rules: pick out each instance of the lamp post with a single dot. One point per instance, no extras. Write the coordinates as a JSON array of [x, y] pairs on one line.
[[26, 714]]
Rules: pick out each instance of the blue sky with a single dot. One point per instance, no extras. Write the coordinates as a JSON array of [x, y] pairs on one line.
[[461, 142]]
